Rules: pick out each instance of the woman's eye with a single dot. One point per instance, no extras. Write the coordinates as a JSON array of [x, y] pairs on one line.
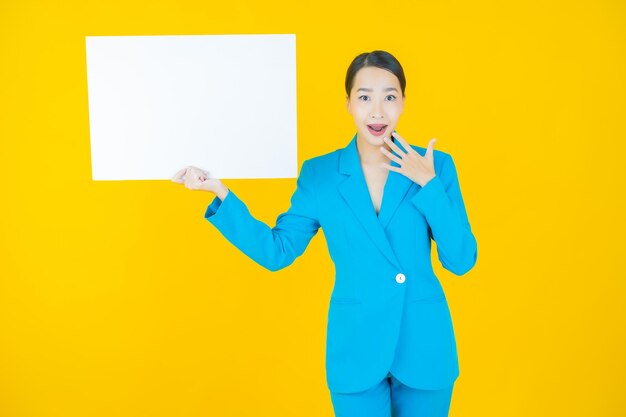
[[364, 98]]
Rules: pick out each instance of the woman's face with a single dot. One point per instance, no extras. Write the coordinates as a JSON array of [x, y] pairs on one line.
[[375, 99]]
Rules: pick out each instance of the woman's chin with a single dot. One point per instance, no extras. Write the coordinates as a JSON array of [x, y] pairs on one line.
[[375, 140]]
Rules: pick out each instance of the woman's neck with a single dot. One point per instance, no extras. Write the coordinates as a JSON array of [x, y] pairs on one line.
[[370, 154]]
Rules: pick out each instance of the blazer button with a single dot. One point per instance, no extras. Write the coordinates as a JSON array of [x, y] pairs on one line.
[[400, 278]]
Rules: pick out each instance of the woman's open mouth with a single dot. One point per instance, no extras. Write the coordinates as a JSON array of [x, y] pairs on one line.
[[377, 130]]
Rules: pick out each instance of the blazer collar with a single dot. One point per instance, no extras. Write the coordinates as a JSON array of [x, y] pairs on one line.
[[356, 195]]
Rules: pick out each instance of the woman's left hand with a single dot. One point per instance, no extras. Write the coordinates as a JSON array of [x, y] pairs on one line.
[[418, 168]]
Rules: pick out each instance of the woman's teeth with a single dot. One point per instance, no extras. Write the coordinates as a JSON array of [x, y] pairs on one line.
[[376, 130]]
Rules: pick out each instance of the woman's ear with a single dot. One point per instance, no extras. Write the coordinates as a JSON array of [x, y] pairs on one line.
[[348, 103]]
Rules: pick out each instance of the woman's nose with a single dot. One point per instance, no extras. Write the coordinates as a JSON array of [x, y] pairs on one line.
[[376, 109]]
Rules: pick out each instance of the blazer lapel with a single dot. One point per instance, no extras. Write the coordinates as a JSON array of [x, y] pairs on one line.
[[356, 195], [396, 188]]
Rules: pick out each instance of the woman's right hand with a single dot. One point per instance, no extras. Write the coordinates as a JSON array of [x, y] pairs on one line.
[[198, 179]]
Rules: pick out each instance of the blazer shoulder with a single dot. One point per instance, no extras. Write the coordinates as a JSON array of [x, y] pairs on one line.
[[324, 161]]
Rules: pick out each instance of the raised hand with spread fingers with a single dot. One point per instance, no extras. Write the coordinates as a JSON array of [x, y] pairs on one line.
[[418, 168]]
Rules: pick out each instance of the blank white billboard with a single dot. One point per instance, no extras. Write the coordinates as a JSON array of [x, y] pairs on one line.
[[224, 103]]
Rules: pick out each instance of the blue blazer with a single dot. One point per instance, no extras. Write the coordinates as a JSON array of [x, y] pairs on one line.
[[387, 311]]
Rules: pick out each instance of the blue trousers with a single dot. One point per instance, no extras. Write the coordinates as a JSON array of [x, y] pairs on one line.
[[390, 397]]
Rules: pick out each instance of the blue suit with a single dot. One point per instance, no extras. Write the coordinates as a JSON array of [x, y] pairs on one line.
[[387, 311]]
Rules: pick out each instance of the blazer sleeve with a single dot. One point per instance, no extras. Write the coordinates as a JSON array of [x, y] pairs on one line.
[[271, 247], [441, 202]]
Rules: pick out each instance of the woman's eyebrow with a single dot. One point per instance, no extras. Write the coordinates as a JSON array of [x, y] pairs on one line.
[[386, 89]]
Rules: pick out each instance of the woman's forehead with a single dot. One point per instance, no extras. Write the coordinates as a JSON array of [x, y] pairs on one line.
[[373, 77]]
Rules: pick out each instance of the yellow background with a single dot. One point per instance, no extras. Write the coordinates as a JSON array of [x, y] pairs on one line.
[[119, 298]]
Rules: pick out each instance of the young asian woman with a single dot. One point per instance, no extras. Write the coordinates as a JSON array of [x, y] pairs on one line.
[[390, 345]]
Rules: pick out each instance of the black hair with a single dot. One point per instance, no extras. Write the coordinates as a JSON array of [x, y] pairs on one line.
[[380, 59]]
